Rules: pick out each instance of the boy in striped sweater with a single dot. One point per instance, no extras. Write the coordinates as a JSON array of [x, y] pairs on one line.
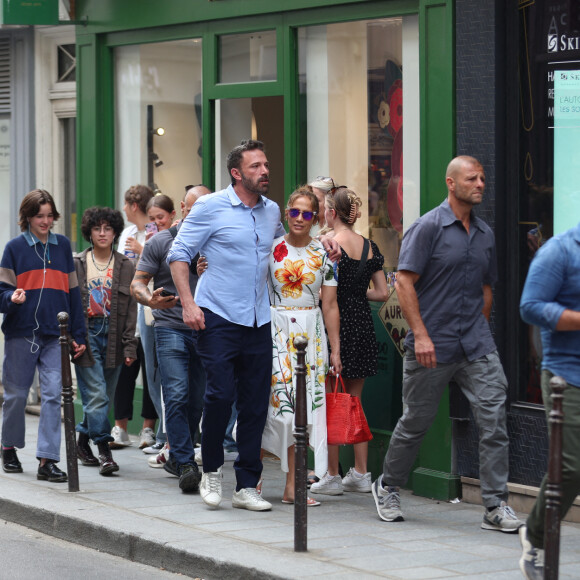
[[37, 281]]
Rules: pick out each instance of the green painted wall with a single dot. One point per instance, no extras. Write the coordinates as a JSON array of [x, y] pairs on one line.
[[111, 23]]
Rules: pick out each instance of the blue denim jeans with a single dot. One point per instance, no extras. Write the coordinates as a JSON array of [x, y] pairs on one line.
[[97, 385], [153, 374], [183, 383], [21, 358]]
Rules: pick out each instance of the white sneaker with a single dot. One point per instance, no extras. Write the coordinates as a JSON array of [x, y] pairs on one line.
[[248, 498], [502, 519], [120, 438], [153, 449], [146, 438], [198, 458], [355, 482], [159, 460], [328, 485], [210, 488]]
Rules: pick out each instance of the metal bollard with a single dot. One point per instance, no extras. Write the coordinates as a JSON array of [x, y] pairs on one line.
[[69, 412], [554, 485], [300, 448]]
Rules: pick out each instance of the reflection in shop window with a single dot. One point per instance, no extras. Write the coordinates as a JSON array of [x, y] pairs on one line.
[[167, 76], [351, 99], [351, 80]]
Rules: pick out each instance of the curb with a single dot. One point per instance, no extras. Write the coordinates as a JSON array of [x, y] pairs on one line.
[[127, 546]]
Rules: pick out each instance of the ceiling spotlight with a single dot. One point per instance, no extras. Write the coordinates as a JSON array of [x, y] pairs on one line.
[[159, 131]]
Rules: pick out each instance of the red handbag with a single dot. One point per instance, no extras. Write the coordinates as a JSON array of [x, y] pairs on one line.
[[345, 419]]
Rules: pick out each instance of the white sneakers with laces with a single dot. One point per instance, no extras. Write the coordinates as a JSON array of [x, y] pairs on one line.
[[210, 488], [248, 498], [354, 481], [120, 438], [328, 485], [532, 560], [388, 502]]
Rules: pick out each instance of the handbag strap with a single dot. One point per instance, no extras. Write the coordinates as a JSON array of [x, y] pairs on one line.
[[363, 258], [336, 383]]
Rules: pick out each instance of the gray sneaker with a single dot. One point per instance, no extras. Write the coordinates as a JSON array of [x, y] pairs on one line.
[[532, 560], [502, 519], [388, 502]]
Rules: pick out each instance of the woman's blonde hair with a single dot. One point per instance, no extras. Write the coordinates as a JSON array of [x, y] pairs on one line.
[[346, 203]]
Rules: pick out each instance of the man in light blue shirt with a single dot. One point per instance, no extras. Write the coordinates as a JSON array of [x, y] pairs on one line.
[[234, 228], [551, 300]]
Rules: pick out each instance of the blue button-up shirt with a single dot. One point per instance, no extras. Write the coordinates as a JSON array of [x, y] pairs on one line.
[[453, 267], [552, 286], [237, 241]]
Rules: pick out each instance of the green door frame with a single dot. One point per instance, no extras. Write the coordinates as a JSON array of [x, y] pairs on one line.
[[111, 24]]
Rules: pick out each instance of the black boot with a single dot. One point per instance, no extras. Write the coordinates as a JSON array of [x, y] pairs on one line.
[[85, 453], [10, 463], [107, 465]]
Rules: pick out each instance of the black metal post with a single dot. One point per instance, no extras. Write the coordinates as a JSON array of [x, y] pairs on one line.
[[300, 448], [150, 159], [554, 485], [68, 407]]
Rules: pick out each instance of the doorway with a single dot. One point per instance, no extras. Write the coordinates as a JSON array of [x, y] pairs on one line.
[[259, 118]]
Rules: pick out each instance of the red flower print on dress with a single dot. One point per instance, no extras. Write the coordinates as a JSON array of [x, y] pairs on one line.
[[280, 251]]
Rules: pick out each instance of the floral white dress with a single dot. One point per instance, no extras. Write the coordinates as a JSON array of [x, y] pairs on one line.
[[295, 276]]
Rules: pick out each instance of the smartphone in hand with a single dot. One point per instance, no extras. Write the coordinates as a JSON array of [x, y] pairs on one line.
[[166, 293], [151, 228]]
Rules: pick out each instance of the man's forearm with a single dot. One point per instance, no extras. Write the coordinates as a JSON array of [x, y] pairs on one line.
[[139, 289], [570, 320], [410, 306], [180, 275]]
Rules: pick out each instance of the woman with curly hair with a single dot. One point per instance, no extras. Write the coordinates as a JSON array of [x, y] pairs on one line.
[[110, 313]]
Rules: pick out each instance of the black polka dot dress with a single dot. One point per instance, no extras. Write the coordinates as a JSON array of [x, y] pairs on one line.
[[358, 343]]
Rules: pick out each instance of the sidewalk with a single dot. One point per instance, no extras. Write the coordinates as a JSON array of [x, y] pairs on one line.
[[140, 514]]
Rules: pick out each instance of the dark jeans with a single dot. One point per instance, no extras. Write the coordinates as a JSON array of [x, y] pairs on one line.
[[231, 352], [183, 385], [570, 460]]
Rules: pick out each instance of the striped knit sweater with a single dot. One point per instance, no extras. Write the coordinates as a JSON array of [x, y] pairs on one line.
[[48, 291]]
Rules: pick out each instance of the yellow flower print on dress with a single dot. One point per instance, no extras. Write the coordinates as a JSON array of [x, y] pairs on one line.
[[315, 260], [292, 336], [275, 401], [292, 277]]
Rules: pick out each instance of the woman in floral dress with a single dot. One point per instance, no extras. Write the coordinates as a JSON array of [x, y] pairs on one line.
[[299, 268]]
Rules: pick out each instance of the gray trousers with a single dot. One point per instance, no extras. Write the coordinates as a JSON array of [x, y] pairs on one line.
[[484, 384]]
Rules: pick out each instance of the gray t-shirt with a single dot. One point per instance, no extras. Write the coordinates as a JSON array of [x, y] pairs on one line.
[[153, 262]]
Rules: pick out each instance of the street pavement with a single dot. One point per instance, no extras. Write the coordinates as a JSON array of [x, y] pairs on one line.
[[140, 514]]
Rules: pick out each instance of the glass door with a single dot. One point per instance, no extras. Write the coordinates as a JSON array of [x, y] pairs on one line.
[[260, 118]]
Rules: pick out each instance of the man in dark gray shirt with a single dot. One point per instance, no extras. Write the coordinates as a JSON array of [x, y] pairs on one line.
[[182, 374], [444, 284]]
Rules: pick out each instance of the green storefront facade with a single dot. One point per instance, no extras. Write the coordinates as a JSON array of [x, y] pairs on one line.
[[363, 91]]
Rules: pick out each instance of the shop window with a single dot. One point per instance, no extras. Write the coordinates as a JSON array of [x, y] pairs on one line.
[[158, 85], [247, 57], [548, 51], [351, 99]]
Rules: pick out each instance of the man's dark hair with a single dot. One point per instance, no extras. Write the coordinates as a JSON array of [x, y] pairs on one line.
[[96, 216], [235, 155], [30, 206]]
